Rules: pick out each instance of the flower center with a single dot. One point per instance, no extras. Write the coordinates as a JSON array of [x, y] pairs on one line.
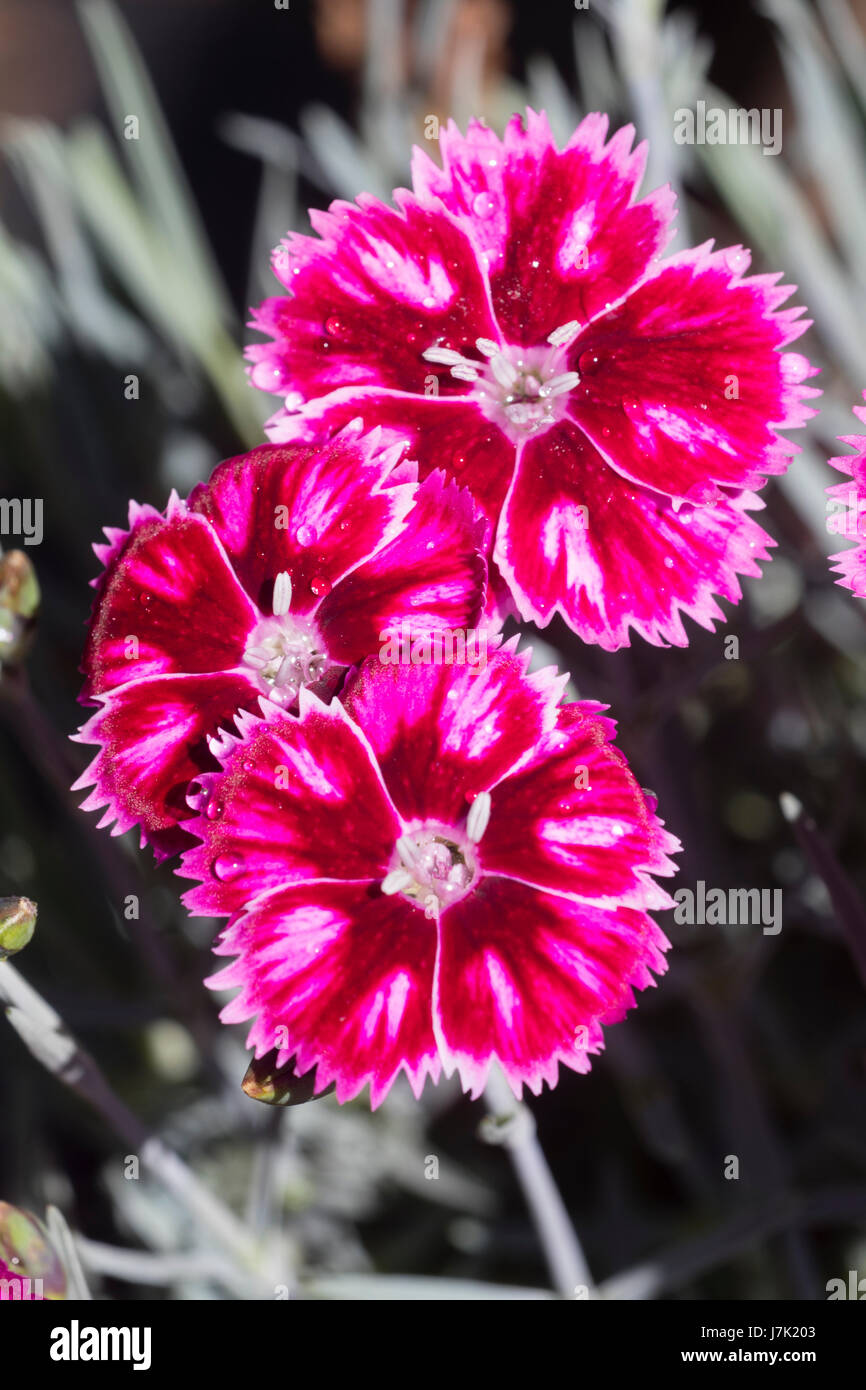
[[522, 390], [286, 652], [436, 865]]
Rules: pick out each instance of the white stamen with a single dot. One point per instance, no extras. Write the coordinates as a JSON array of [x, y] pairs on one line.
[[464, 372], [396, 881], [446, 357], [479, 815], [487, 347], [502, 369], [287, 669], [557, 385], [407, 849], [282, 593], [565, 334]]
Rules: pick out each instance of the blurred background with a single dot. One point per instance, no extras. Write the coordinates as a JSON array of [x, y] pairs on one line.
[[127, 258]]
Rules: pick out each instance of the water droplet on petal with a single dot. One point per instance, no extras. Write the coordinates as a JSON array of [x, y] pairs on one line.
[[270, 376], [227, 867], [738, 259], [631, 406], [214, 810], [483, 205], [794, 366], [197, 796], [305, 535], [334, 326], [589, 362], [321, 586], [668, 563]]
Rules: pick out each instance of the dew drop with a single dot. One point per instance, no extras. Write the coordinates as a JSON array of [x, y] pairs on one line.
[[737, 259], [320, 586], [483, 205], [227, 867], [305, 535], [334, 326], [269, 376], [196, 796], [668, 563], [631, 406], [589, 362], [214, 810]]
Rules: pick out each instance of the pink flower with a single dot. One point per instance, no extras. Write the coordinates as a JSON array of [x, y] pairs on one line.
[[851, 564], [281, 571], [614, 414], [439, 868]]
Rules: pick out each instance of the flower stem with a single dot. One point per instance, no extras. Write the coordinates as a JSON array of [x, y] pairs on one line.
[[42, 1030], [514, 1126]]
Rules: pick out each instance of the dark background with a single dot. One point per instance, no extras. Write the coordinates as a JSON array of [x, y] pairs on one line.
[[753, 1046]]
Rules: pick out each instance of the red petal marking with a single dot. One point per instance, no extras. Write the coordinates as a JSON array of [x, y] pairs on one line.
[[441, 732], [168, 603], [314, 512], [575, 821], [577, 538], [340, 976], [528, 978], [298, 798], [153, 740]]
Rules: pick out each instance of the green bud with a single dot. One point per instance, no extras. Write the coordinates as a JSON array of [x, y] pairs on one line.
[[19, 604], [17, 925], [274, 1085], [19, 587], [26, 1253]]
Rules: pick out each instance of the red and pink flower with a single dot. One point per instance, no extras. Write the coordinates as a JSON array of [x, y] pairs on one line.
[[439, 868], [613, 413], [850, 521], [282, 571]]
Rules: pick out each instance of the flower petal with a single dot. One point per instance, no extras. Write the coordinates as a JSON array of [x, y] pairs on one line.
[[442, 733], [168, 603], [430, 577], [368, 297], [340, 977], [574, 820], [152, 736], [440, 432], [528, 978], [298, 798], [577, 538], [313, 512], [559, 229], [851, 563], [681, 387]]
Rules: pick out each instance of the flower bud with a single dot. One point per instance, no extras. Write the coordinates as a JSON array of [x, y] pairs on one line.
[[29, 1265], [19, 604], [274, 1085], [17, 925]]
